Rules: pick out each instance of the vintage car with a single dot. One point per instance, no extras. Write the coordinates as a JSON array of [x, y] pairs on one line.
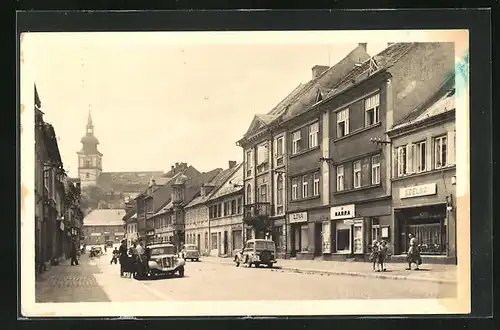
[[164, 261], [257, 252], [190, 251], [96, 251]]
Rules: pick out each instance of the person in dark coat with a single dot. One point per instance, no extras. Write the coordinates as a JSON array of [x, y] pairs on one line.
[[123, 258], [74, 260]]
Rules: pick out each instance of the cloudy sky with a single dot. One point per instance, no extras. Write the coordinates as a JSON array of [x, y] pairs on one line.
[[157, 99]]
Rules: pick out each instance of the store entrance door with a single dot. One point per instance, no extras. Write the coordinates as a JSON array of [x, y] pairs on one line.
[[318, 239]]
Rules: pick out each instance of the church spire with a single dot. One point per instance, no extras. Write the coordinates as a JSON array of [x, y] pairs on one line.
[[89, 120]]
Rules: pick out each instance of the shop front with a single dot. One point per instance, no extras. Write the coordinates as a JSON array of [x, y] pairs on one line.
[[426, 211], [299, 235], [237, 237], [354, 226]]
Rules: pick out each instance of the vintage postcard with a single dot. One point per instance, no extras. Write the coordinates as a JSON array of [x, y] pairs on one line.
[[245, 173]]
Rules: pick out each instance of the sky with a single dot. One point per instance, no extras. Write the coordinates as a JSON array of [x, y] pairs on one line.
[[157, 100]]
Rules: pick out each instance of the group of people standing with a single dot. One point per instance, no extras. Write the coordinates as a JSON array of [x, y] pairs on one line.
[[380, 252], [133, 260]]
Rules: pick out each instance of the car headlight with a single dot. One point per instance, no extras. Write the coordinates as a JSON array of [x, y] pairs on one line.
[[153, 264]]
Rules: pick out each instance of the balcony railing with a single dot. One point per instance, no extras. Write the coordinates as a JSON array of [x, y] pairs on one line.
[[257, 211]]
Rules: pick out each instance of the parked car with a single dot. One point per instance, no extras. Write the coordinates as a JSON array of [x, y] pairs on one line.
[[190, 251], [164, 261], [257, 252], [96, 251]]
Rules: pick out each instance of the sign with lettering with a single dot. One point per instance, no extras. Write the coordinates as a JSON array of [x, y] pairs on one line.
[[297, 217], [342, 212], [95, 234], [416, 191], [326, 232]]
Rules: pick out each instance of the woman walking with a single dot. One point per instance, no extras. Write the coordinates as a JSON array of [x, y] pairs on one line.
[[122, 252], [413, 253], [374, 255], [383, 251]]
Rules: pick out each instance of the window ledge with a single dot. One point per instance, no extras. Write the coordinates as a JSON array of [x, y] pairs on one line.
[[357, 189], [359, 130], [304, 152], [305, 199], [414, 175]]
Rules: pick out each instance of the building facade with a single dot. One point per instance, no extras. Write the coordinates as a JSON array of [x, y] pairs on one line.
[[363, 106], [104, 227], [225, 213], [58, 217], [424, 178]]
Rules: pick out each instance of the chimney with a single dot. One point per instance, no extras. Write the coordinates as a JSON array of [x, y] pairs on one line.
[[176, 165], [232, 163], [389, 44], [317, 70], [364, 45]]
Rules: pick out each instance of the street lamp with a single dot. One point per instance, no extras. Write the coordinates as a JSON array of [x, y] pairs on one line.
[[379, 141], [328, 160]]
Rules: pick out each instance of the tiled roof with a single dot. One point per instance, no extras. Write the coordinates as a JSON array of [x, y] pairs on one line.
[[324, 83], [383, 60], [443, 101], [231, 183], [104, 217], [304, 96]]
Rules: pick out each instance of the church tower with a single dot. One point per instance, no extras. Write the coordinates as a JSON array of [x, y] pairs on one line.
[[89, 158]]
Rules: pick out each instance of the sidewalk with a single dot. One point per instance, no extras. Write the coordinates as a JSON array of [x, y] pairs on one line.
[[430, 273], [66, 283]]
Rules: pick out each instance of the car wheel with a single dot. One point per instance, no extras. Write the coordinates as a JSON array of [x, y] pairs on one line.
[[197, 259], [257, 265], [181, 272], [270, 265]]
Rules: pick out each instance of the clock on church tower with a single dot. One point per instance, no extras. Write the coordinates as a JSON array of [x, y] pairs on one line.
[[89, 157]]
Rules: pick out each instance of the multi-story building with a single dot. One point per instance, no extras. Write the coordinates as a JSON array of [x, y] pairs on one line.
[[361, 107], [225, 213], [424, 178], [104, 227], [57, 204], [272, 154], [197, 225]]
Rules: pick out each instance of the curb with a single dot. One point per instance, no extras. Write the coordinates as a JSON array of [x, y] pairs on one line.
[[334, 272]]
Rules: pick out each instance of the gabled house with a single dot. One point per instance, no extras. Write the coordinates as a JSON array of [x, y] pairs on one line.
[[267, 147], [225, 212], [424, 178], [197, 226], [360, 109]]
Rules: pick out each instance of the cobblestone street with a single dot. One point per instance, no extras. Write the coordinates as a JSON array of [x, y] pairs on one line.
[[213, 279]]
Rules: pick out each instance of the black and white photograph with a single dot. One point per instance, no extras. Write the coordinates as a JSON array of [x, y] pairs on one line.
[[245, 173]]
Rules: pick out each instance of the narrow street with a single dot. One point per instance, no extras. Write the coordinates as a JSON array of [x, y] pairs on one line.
[[97, 280]]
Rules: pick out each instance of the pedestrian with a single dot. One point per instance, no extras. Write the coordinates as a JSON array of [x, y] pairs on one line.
[[413, 253], [383, 251], [74, 259], [374, 253], [114, 258], [123, 257]]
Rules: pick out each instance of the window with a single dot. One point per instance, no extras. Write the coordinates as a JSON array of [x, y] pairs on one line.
[[233, 206], [219, 210], [372, 111], [87, 163], [410, 158], [420, 156], [357, 174], [316, 184], [342, 123], [87, 175], [296, 142], [249, 194], [294, 189], [263, 193], [375, 229], [401, 160], [340, 178], [226, 208], [240, 206], [46, 176], [279, 147], [262, 154], [376, 169], [313, 135], [305, 187], [249, 163], [279, 190], [440, 152]]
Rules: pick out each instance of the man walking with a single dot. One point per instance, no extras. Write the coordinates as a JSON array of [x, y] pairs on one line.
[[74, 260]]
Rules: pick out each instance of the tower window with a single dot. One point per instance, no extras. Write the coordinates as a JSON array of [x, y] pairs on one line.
[[87, 175], [87, 163]]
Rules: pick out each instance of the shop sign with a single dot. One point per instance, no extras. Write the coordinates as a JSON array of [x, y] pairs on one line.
[[297, 217], [95, 234], [150, 233], [342, 212], [326, 232], [416, 191], [61, 226], [119, 234]]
